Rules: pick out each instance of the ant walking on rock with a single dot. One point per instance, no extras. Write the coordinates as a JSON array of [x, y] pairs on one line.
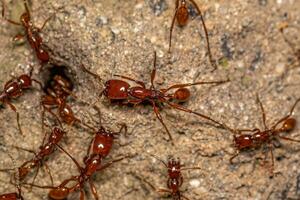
[[181, 15], [32, 33], [14, 88], [121, 91], [256, 138], [175, 178]]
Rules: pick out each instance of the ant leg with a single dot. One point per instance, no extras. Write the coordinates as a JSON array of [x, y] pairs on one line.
[[163, 162], [56, 117], [91, 73], [81, 194], [164, 190], [188, 168], [232, 157], [262, 111], [93, 189], [49, 172], [75, 161], [178, 107], [212, 61], [123, 126], [196, 83], [272, 157], [184, 197], [111, 162], [26, 7], [172, 26], [18, 115], [289, 139], [153, 71], [8, 20], [131, 79], [159, 117], [290, 113]]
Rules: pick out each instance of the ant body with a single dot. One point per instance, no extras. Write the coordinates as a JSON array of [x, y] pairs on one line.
[[31, 32], [56, 97], [175, 178], [98, 149], [14, 88], [258, 137], [181, 15], [45, 150], [120, 90]]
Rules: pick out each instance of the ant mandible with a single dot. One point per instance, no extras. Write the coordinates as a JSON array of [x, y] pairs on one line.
[[14, 88], [31, 32], [258, 137], [119, 90], [175, 178], [181, 15]]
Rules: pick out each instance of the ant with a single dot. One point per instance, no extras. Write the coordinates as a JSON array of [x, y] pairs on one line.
[[98, 149], [14, 89], [258, 137], [31, 32], [120, 90], [45, 150], [181, 15], [56, 97], [175, 178]]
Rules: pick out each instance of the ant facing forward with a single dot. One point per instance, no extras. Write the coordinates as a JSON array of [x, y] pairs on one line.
[[120, 90], [175, 178], [14, 88], [258, 137], [182, 16], [31, 32]]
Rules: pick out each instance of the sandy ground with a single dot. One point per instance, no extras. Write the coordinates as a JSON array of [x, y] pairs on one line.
[[120, 37]]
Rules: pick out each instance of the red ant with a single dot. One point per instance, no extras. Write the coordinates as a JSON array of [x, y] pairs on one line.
[[182, 16], [175, 179], [56, 97], [14, 88], [119, 90], [45, 150], [258, 138], [98, 149], [31, 32]]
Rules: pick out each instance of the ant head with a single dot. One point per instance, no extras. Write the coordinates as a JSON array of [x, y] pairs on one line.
[[103, 142], [116, 89], [289, 124], [61, 81], [182, 94], [56, 135], [59, 193], [25, 19], [174, 168], [25, 81]]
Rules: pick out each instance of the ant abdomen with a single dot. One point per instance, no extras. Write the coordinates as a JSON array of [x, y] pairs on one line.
[[289, 124], [182, 94], [59, 193], [182, 15]]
